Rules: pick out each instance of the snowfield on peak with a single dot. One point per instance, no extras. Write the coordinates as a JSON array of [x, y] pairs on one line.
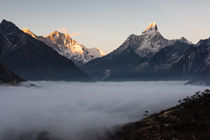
[[149, 43], [66, 46]]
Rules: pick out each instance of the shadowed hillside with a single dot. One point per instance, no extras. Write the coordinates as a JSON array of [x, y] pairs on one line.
[[190, 120], [32, 59], [8, 77]]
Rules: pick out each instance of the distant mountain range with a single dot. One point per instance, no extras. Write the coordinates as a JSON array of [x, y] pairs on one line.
[[66, 46], [148, 56], [141, 57], [32, 59]]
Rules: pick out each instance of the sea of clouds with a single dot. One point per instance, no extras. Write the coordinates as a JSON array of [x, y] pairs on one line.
[[83, 111]]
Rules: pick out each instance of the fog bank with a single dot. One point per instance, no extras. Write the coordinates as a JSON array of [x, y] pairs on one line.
[[83, 111]]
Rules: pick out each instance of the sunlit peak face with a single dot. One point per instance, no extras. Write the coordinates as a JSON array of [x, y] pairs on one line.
[[64, 39], [27, 31], [152, 25]]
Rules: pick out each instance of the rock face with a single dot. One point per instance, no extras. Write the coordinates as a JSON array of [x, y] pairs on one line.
[[163, 60], [195, 60], [147, 44], [187, 121], [195, 63], [114, 66], [68, 47], [8, 77], [32, 59], [145, 56]]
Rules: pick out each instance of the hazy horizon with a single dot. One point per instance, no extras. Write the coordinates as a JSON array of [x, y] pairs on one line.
[[107, 24]]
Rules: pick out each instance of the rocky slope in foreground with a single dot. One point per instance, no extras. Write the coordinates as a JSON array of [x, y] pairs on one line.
[[8, 77], [190, 120]]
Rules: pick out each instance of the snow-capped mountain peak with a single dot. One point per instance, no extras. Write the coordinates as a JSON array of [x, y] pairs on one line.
[[71, 49], [65, 40], [66, 46], [151, 28], [149, 43]]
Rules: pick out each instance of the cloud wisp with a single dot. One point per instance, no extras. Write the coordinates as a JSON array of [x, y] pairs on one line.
[[65, 30]]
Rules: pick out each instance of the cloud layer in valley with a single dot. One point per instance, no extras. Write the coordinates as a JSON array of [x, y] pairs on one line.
[[73, 110]]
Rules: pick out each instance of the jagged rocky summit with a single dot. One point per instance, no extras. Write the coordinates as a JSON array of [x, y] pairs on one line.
[[148, 56], [66, 46]]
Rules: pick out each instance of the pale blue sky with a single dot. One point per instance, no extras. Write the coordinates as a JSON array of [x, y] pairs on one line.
[[106, 24]]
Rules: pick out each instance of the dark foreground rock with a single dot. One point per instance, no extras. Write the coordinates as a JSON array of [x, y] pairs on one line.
[[190, 120], [8, 77]]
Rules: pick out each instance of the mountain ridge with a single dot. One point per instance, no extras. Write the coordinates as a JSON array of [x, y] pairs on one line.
[[66, 46], [144, 47], [32, 59]]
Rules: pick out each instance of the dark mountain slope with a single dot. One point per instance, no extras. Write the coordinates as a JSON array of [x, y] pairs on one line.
[[163, 60], [188, 121], [33, 59], [128, 65], [8, 77], [170, 54], [202, 79], [113, 65], [195, 60]]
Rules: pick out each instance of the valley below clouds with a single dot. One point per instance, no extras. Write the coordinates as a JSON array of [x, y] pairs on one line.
[[77, 110]]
